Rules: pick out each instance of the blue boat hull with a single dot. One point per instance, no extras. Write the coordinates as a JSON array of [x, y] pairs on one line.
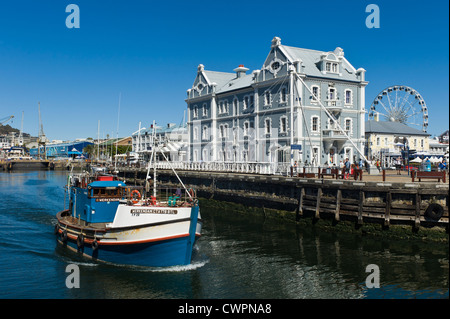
[[164, 253]]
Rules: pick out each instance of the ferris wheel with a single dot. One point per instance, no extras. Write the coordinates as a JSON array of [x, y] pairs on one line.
[[400, 103]]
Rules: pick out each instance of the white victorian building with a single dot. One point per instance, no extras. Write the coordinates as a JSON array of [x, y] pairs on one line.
[[302, 105]]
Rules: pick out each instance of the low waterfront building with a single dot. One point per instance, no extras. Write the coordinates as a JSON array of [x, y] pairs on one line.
[[438, 148], [171, 140], [62, 150], [302, 105], [387, 139]]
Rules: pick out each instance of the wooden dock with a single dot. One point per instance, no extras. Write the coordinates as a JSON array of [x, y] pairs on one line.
[[385, 200]]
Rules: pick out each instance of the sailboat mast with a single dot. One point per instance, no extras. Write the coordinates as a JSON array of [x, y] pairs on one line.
[[117, 132], [98, 141]]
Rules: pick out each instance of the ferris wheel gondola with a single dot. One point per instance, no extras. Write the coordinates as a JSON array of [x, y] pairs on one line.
[[400, 103]]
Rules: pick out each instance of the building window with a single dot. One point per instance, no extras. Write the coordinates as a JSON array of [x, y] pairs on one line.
[[328, 66], [246, 127], [267, 98], [283, 95], [195, 112], [275, 65], [245, 103], [267, 126], [315, 156], [348, 126], [315, 93], [204, 110], [283, 124], [378, 141], [195, 133], [223, 130], [331, 94], [348, 97], [223, 107], [334, 66], [315, 124], [235, 106], [205, 133]]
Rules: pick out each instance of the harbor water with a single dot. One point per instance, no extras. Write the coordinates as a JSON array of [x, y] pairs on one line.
[[239, 256]]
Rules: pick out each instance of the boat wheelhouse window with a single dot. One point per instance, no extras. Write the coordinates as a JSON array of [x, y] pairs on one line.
[[106, 192]]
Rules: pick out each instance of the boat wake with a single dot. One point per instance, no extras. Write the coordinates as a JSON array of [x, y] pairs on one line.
[[194, 265]]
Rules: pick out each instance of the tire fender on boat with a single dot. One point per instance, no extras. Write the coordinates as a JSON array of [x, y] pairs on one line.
[[64, 236], [80, 241], [95, 245]]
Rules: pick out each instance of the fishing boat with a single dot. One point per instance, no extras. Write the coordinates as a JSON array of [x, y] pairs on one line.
[[110, 221]]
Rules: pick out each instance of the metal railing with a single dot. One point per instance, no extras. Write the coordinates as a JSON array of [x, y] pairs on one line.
[[260, 168]]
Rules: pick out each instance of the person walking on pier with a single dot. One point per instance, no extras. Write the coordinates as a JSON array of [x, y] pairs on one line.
[[398, 165], [347, 168]]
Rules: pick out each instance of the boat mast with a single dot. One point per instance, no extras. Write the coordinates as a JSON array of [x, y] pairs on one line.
[[151, 158]]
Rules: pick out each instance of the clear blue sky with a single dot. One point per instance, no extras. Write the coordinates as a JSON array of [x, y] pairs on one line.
[[148, 51]]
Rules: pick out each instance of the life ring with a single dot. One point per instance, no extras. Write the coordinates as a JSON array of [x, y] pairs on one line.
[[434, 211], [80, 241], [153, 200], [136, 199]]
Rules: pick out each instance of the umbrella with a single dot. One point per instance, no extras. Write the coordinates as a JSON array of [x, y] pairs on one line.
[[434, 159]]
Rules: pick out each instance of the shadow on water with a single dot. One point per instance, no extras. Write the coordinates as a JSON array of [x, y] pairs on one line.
[[322, 264]]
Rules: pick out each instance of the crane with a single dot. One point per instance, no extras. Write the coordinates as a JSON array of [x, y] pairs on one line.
[[6, 119]]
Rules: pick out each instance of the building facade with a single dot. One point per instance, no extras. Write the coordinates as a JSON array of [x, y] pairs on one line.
[[172, 141], [302, 105], [386, 140]]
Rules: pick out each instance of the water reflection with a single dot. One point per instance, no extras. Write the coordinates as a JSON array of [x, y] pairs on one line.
[[304, 262]]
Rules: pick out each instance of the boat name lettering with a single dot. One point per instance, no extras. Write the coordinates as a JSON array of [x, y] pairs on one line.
[[107, 199], [136, 212]]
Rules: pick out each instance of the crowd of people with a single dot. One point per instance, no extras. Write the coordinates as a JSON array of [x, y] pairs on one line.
[[348, 167]]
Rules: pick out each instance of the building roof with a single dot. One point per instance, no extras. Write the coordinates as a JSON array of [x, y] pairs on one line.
[[310, 61], [395, 128], [311, 58], [171, 128]]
